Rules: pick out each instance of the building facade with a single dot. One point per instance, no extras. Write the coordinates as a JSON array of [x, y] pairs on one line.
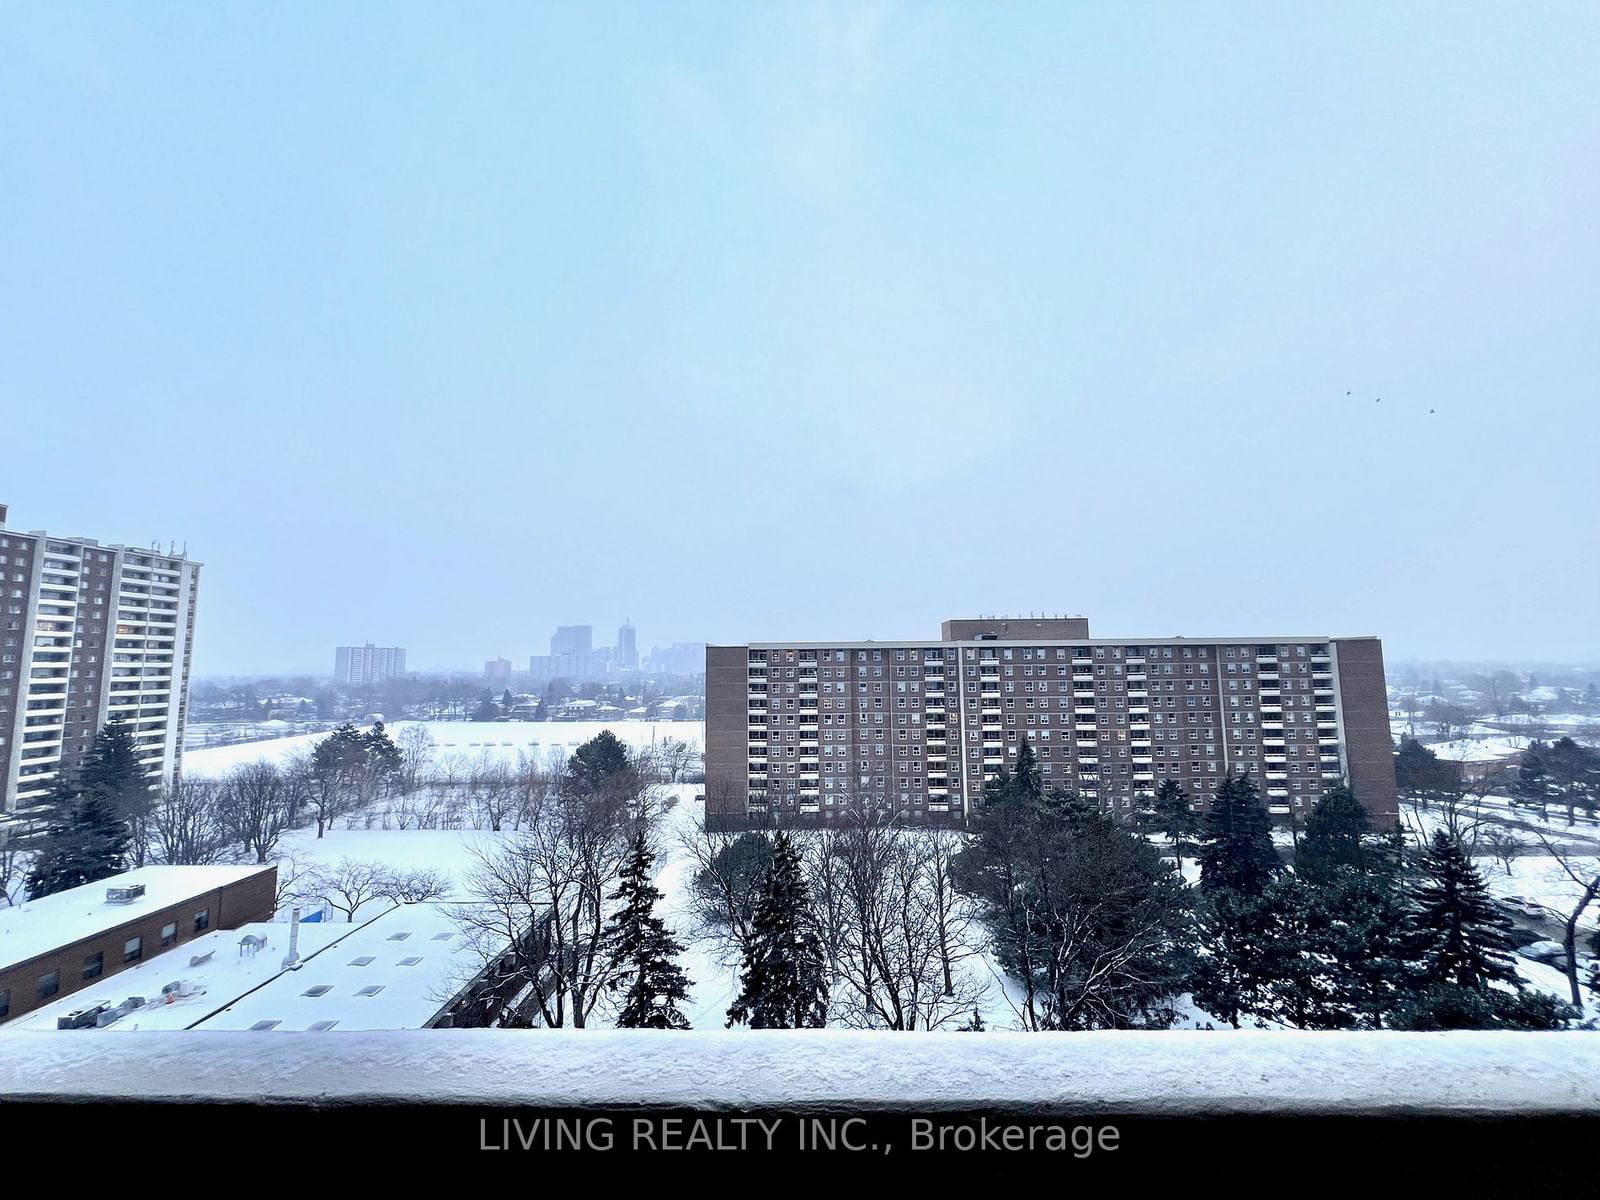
[[369, 665], [59, 943], [800, 732], [89, 634]]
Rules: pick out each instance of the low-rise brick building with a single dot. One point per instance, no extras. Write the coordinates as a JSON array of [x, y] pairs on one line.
[[56, 944]]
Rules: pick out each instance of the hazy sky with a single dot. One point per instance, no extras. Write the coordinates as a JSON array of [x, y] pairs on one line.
[[438, 326]]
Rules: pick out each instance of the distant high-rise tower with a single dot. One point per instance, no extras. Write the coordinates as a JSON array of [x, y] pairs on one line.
[[577, 640], [89, 634], [627, 647], [369, 665]]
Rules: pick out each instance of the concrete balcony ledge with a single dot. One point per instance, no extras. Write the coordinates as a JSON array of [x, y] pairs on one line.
[[1177, 1073]]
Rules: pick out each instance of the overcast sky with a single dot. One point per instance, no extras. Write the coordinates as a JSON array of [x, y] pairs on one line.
[[440, 327]]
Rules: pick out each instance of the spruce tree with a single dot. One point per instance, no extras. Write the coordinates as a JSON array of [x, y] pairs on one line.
[[783, 979], [644, 950], [87, 841], [1236, 852], [1459, 936], [1026, 781], [1174, 816], [1335, 836], [111, 772]]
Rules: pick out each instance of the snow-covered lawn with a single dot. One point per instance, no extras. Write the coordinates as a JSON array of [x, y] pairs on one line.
[[464, 741]]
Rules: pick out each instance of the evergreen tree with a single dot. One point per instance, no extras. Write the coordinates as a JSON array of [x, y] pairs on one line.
[[1451, 1006], [1459, 936], [1533, 786], [1026, 782], [1336, 835], [1173, 815], [1419, 772], [87, 841], [644, 950], [783, 981], [111, 770], [599, 761], [1236, 851], [380, 756], [1233, 966]]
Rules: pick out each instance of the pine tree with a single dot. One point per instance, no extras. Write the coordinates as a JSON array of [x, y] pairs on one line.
[[598, 761], [1459, 936], [380, 755], [782, 981], [1174, 816], [1236, 851], [644, 950]]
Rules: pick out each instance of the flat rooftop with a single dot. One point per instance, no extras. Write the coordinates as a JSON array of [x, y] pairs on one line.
[[226, 974], [393, 972], [37, 927]]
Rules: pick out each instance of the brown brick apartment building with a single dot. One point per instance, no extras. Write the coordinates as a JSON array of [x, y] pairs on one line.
[[55, 945], [797, 732]]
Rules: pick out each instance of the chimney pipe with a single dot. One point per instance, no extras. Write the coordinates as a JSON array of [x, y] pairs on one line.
[[291, 960]]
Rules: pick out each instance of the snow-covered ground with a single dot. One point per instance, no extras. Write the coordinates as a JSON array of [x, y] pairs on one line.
[[462, 741], [1491, 1074]]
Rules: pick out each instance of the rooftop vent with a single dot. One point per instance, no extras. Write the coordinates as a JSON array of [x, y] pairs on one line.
[[124, 895]]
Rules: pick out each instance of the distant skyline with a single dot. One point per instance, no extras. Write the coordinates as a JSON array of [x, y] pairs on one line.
[[440, 329]]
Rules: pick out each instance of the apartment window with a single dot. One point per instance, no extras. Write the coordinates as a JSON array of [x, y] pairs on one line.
[[5, 1003], [49, 984], [202, 920], [94, 965], [133, 949], [169, 934]]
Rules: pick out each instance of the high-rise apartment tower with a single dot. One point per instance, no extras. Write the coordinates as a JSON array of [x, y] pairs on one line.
[[89, 634]]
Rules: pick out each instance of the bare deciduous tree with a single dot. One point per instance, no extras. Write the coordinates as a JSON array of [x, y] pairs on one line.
[[902, 925], [542, 894], [414, 886], [1584, 871], [256, 800], [1501, 844], [347, 885], [187, 822]]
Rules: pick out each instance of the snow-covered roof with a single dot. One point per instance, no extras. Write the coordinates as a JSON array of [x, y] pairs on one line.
[[394, 972], [39, 926], [1245, 1071], [225, 976]]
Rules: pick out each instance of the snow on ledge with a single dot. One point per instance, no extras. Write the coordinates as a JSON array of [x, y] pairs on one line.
[[1127, 1072]]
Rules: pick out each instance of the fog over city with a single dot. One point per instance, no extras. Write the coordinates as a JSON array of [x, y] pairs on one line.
[[752, 322]]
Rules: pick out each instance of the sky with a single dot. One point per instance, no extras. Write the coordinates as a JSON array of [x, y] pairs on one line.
[[439, 326]]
